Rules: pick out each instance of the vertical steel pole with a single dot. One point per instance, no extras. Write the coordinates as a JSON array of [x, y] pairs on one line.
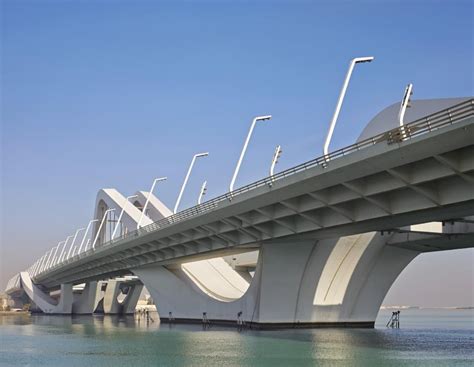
[[332, 125]]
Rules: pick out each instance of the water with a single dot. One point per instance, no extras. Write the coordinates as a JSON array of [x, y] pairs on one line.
[[426, 338]]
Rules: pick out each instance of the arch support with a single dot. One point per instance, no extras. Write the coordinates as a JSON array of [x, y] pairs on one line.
[[332, 282], [45, 302], [114, 289], [87, 301]]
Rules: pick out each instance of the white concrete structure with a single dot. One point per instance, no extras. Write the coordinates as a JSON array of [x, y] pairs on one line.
[[332, 234]]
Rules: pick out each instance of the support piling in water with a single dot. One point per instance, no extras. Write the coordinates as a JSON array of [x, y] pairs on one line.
[[394, 321]]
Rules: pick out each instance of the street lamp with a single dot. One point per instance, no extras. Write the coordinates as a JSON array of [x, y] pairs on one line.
[[35, 266], [38, 264], [100, 226], [357, 60], [187, 177], [74, 251], [73, 241], [275, 158], [85, 234], [403, 107], [63, 254], [53, 261], [46, 257], [148, 198], [43, 259], [49, 258], [121, 214], [202, 192], [244, 149]]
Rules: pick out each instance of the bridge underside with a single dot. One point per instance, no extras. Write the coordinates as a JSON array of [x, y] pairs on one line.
[[320, 283], [119, 296], [331, 241], [401, 186], [331, 282]]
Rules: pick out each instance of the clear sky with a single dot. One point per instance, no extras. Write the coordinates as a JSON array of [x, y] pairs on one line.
[[102, 94]]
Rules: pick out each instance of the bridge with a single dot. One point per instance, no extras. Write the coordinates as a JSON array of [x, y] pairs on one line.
[[318, 244]]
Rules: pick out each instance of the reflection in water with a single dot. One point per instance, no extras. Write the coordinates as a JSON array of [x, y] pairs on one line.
[[99, 340]]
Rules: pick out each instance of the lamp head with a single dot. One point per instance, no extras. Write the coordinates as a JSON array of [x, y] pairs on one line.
[[263, 118], [360, 60], [202, 154]]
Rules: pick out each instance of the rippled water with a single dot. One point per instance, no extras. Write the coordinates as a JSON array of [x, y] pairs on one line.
[[426, 338]]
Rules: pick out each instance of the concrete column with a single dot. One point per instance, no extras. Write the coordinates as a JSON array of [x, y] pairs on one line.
[[331, 282], [111, 303], [86, 302], [130, 302]]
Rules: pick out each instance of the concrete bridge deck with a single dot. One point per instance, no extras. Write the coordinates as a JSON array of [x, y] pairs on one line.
[[385, 182]]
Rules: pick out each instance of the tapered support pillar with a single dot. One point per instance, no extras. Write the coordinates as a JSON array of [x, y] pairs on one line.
[[130, 302], [86, 302], [111, 303]]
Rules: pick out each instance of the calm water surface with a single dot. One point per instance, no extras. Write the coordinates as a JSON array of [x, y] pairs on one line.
[[426, 338]]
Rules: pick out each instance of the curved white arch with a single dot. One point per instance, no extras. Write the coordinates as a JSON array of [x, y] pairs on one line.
[[331, 281], [43, 301], [156, 210], [214, 277], [112, 199]]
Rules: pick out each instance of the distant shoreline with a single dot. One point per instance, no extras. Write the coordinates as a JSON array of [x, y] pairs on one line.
[[404, 307], [13, 313]]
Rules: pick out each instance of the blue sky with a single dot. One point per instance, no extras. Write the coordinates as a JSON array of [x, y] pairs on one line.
[[114, 93]]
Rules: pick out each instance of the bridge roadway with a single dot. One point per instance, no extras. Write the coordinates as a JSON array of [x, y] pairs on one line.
[[383, 185]]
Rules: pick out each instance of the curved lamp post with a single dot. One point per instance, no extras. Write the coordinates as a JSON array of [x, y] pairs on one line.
[[244, 149], [202, 192], [357, 60], [54, 260], [73, 241], [85, 234], [63, 254], [148, 198], [403, 108], [49, 258], [275, 158], [40, 270], [199, 155], [101, 225], [121, 214]]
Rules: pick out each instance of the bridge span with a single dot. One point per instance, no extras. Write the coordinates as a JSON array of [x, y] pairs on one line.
[[331, 235]]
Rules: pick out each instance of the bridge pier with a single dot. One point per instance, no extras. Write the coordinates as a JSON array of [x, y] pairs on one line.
[[111, 302], [130, 302], [332, 282], [87, 301], [44, 301]]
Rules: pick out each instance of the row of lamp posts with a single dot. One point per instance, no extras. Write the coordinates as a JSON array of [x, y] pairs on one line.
[[48, 260]]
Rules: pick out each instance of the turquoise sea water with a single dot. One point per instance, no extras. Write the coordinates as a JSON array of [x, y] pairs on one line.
[[426, 338]]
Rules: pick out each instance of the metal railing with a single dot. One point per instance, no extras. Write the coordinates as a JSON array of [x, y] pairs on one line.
[[426, 124]]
